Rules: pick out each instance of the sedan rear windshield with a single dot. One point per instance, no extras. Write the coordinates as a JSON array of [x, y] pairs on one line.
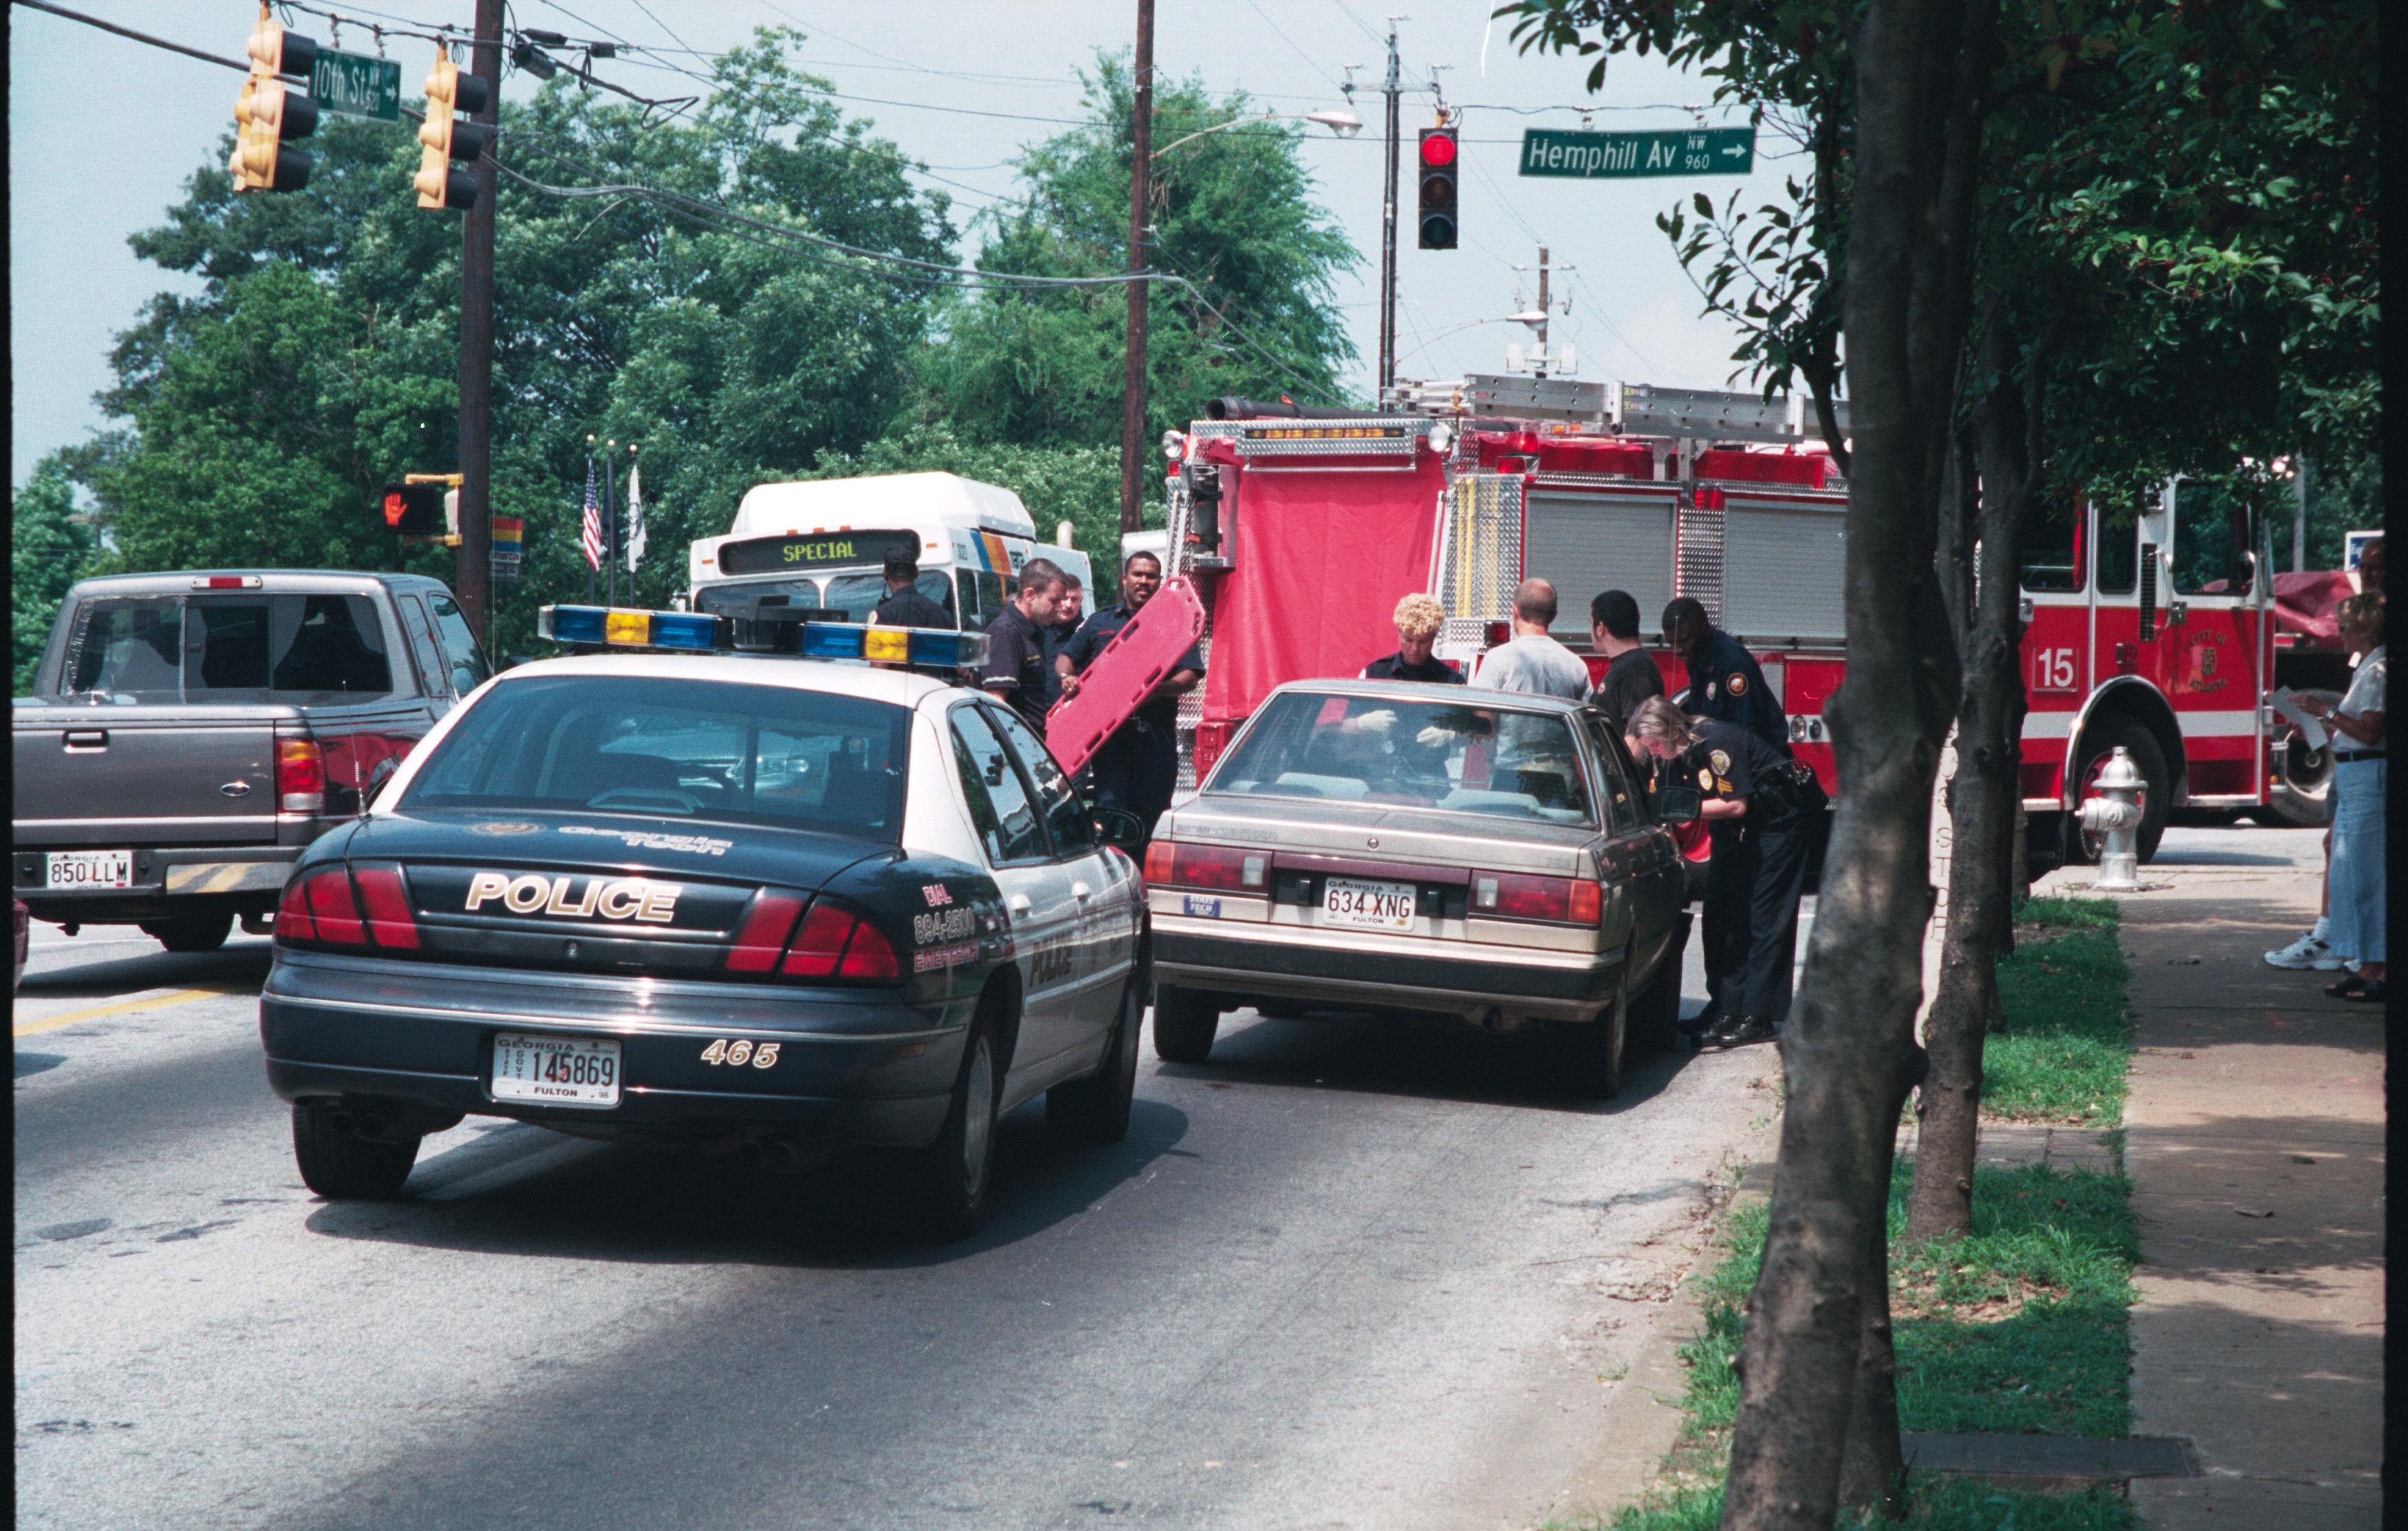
[[1436, 754], [663, 748]]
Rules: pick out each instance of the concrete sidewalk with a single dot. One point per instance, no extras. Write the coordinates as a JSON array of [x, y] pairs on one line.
[[2254, 1139]]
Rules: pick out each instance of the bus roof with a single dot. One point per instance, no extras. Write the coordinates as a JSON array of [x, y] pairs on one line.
[[826, 505]]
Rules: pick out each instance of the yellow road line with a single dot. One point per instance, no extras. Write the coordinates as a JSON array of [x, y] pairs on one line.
[[69, 1018]]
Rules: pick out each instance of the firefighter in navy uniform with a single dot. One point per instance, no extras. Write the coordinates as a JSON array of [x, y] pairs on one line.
[[1757, 874], [1724, 680], [1137, 769]]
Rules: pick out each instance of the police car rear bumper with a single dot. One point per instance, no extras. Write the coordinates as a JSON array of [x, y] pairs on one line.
[[852, 1068]]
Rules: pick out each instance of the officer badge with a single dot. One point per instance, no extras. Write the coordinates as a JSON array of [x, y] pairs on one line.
[[1705, 780], [1709, 691], [1722, 763], [1737, 683]]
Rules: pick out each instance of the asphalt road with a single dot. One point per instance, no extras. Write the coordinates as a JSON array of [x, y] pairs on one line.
[[1342, 1275]]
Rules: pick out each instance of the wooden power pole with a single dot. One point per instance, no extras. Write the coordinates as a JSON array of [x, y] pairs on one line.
[[1133, 456]]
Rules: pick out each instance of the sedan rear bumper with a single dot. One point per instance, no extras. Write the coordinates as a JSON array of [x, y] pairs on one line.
[[1513, 983], [850, 1069]]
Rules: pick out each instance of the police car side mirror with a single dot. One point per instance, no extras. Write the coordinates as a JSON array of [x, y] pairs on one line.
[[1118, 827], [1676, 805]]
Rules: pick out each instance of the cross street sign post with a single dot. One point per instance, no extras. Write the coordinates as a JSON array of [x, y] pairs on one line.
[[1619, 156], [356, 85]]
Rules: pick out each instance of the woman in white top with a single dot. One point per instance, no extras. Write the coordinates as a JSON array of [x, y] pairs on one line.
[[2359, 775]]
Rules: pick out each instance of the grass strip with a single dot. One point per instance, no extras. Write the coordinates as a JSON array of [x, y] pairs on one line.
[[2021, 1327], [2058, 1049]]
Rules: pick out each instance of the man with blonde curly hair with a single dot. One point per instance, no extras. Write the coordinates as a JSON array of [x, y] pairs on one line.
[[1417, 620]]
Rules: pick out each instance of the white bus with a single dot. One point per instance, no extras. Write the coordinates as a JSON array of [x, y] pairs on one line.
[[825, 544]]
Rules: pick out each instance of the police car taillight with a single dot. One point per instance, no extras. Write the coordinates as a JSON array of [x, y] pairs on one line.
[[324, 910], [833, 944]]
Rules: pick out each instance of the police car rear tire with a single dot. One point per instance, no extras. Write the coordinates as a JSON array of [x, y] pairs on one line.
[[340, 1164], [1184, 1024], [946, 1183], [1095, 1110]]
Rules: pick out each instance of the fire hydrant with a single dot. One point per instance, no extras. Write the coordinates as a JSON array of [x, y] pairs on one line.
[[2116, 814]]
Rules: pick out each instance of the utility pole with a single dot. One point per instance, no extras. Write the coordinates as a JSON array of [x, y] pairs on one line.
[[1388, 226], [1540, 370], [472, 578], [1133, 455]]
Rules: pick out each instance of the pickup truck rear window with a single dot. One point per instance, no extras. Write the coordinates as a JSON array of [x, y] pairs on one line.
[[681, 749], [300, 649]]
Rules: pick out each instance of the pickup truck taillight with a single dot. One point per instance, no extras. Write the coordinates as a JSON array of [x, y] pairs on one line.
[[324, 910], [834, 943], [300, 776], [1514, 895], [1170, 865]]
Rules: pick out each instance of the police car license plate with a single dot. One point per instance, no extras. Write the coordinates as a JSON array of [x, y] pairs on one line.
[[92, 868], [1373, 906], [556, 1070]]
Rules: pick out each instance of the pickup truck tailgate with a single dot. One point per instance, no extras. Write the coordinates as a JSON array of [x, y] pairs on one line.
[[115, 776]]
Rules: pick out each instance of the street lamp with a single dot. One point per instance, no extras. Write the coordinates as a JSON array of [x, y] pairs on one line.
[[1342, 122]]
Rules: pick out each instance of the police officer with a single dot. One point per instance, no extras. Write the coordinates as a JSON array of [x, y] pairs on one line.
[[1724, 680], [1137, 769], [1058, 633], [904, 605], [1758, 869], [1418, 619], [1015, 642]]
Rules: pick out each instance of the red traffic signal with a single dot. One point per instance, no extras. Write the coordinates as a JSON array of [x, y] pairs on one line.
[[1438, 189], [1438, 146], [411, 510]]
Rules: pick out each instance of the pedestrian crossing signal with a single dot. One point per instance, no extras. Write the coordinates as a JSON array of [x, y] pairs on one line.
[[411, 510]]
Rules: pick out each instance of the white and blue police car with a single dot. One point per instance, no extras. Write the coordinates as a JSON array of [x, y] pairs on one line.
[[664, 889]]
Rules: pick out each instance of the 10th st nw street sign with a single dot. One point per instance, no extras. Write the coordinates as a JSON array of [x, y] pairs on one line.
[[1617, 156], [356, 85]]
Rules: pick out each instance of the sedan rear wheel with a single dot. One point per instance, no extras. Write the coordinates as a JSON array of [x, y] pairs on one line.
[[1591, 1050], [1184, 1024], [341, 1166]]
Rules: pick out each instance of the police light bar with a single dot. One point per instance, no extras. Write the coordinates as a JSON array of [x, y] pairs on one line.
[[935, 648]]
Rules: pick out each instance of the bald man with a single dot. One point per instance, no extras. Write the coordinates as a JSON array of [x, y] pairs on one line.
[[1534, 662]]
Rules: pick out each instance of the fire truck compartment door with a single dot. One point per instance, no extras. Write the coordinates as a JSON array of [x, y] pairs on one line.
[[1784, 568], [1586, 543]]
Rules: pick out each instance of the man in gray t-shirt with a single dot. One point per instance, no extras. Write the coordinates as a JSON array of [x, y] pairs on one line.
[[1534, 662]]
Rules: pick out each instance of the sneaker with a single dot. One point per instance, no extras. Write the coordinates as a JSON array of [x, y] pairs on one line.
[[2305, 953]]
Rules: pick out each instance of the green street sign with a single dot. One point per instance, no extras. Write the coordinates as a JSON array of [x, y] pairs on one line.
[[356, 85], [1623, 156]]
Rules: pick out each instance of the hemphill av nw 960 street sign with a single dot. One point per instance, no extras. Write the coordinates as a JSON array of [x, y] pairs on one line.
[[1618, 156]]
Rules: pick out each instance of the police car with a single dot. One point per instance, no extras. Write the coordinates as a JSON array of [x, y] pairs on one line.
[[716, 899]]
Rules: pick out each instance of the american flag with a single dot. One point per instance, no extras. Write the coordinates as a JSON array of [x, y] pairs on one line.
[[593, 534]]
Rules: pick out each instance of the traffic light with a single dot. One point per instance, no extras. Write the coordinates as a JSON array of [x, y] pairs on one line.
[[1438, 169], [411, 510], [450, 88], [271, 114]]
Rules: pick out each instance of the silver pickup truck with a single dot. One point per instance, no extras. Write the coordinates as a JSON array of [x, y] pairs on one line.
[[191, 733]]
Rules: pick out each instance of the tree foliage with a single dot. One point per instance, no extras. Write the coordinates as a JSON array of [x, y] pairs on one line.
[[48, 550]]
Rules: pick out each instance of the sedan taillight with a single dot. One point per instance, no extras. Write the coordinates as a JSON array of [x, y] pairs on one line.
[[1170, 865], [1516, 895], [834, 943]]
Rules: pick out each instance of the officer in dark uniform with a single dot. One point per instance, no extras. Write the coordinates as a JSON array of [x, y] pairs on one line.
[[1016, 643], [1758, 869], [904, 605], [1724, 679], [1136, 770], [1418, 619]]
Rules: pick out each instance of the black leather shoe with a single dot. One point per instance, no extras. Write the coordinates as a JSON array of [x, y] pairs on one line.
[[1740, 1031]]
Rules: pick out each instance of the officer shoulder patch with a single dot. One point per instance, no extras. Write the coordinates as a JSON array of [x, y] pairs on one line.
[[1722, 763], [1737, 684]]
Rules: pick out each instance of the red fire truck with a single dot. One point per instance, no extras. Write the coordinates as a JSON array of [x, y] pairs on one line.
[[1302, 528]]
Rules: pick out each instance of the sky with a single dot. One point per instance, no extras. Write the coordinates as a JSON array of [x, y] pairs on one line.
[[964, 88]]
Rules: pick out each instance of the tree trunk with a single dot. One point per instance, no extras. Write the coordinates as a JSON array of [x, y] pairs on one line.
[[1920, 65], [1981, 801]]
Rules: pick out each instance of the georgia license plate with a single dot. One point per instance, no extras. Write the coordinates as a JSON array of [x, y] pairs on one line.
[[92, 868], [556, 1070], [1373, 906]]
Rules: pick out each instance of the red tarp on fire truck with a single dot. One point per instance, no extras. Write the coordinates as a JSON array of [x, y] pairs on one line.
[[1318, 562], [2303, 606]]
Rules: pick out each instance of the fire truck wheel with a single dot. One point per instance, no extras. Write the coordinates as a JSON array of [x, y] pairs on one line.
[[2098, 748], [2299, 796]]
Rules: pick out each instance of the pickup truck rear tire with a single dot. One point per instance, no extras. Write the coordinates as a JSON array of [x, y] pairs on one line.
[[341, 1166], [191, 932]]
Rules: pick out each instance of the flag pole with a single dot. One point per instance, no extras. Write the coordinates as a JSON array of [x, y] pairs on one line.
[[580, 528]]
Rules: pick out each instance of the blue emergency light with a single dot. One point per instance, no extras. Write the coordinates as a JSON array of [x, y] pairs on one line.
[[933, 647]]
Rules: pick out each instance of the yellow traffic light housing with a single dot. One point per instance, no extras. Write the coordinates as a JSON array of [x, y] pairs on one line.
[[270, 115], [446, 139]]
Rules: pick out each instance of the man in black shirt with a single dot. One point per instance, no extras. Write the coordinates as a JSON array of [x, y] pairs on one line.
[[1136, 770], [1758, 870], [1060, 631], [1015, 642], [904, 605], [1631, 677], [1418, 619]]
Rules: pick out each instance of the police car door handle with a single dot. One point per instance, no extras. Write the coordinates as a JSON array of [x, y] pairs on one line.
[[1081, 892], [1019, 902]]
